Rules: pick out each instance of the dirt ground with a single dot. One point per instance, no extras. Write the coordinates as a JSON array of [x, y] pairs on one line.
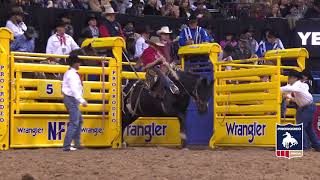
[[156, 163]]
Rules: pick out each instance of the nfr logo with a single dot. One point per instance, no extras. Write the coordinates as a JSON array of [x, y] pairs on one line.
[[289, 140], [55, 130]]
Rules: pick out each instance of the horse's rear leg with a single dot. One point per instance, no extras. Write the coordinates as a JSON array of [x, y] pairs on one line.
[[183, 134]]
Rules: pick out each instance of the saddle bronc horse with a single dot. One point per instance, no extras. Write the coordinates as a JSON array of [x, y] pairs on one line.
[[139, 102]]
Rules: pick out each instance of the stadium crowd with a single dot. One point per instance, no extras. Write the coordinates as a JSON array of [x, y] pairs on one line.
[[236, 46]]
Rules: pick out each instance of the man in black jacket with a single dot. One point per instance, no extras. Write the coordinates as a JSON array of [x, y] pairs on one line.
[[91, 31]]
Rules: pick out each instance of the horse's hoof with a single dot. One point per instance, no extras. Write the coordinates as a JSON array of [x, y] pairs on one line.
[[124, 144], [183, 136]]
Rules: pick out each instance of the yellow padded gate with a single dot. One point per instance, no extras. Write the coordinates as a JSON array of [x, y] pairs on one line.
[[38, 117], [247, 98]]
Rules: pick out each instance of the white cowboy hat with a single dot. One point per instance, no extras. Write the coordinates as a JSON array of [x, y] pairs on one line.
[[164, 30], [108, 10]]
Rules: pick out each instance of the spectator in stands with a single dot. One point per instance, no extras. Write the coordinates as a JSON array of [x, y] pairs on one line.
[[253, 44], [201, 12], [91, 31], [121, 5], [15, 23], [109, 27], [169, 9], [275, 11], [297, 12], [60, 42], [229, 40], [314, 11], [285, 7], [66, 19], [65, 4], [167, 51], [272, 43], [193, 34], [81, 4], [141, 44], [258, 11], [185, 9], [226, 55], [210, 33], [136, 9], [152, 8], [129, 30], [97, 5], [243, 50], [25, 42]]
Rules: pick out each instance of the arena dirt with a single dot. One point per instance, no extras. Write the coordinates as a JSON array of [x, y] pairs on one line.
[[156, 163]]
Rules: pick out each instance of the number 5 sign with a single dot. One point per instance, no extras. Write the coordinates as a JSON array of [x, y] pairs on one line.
[[49, 89]]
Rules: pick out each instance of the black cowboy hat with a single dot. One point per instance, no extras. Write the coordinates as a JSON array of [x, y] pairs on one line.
[[229, 49], [91, 17], [273, 34], [73, 59], [199, 2], [307, 74], [192, 18], [294, 73], [144, 29], [60, 24]]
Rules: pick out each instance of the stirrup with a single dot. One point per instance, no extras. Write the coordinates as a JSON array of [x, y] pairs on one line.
[[174, 89]]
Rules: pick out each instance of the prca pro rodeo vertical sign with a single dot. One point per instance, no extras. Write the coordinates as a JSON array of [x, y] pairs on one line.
[[5, 37]]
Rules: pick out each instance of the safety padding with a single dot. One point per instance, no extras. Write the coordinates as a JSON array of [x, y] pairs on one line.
[[247, 98], [38, 117], [150, 131]]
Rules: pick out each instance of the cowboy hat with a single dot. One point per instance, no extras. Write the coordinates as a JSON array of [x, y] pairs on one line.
[[17, 10], [91, 17], [108, 10], [199, 2], [192, 18], [294, 73], [60, 24], [243, 38], [144, 29], [164, 30], [155, 41], [73, 59], [307, 74]]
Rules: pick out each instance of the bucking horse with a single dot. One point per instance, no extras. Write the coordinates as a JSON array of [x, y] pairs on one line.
[[138, 100]]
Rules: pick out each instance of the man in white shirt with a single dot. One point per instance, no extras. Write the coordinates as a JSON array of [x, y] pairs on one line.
[[15, 23], [72, 90], [141, 44], [60, 42], [305, 108]]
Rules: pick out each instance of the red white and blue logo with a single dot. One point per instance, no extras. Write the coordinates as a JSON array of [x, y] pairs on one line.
[[289, 140]]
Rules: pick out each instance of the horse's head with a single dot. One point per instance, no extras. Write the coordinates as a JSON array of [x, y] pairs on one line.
[[201, 93], [287, 134]]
